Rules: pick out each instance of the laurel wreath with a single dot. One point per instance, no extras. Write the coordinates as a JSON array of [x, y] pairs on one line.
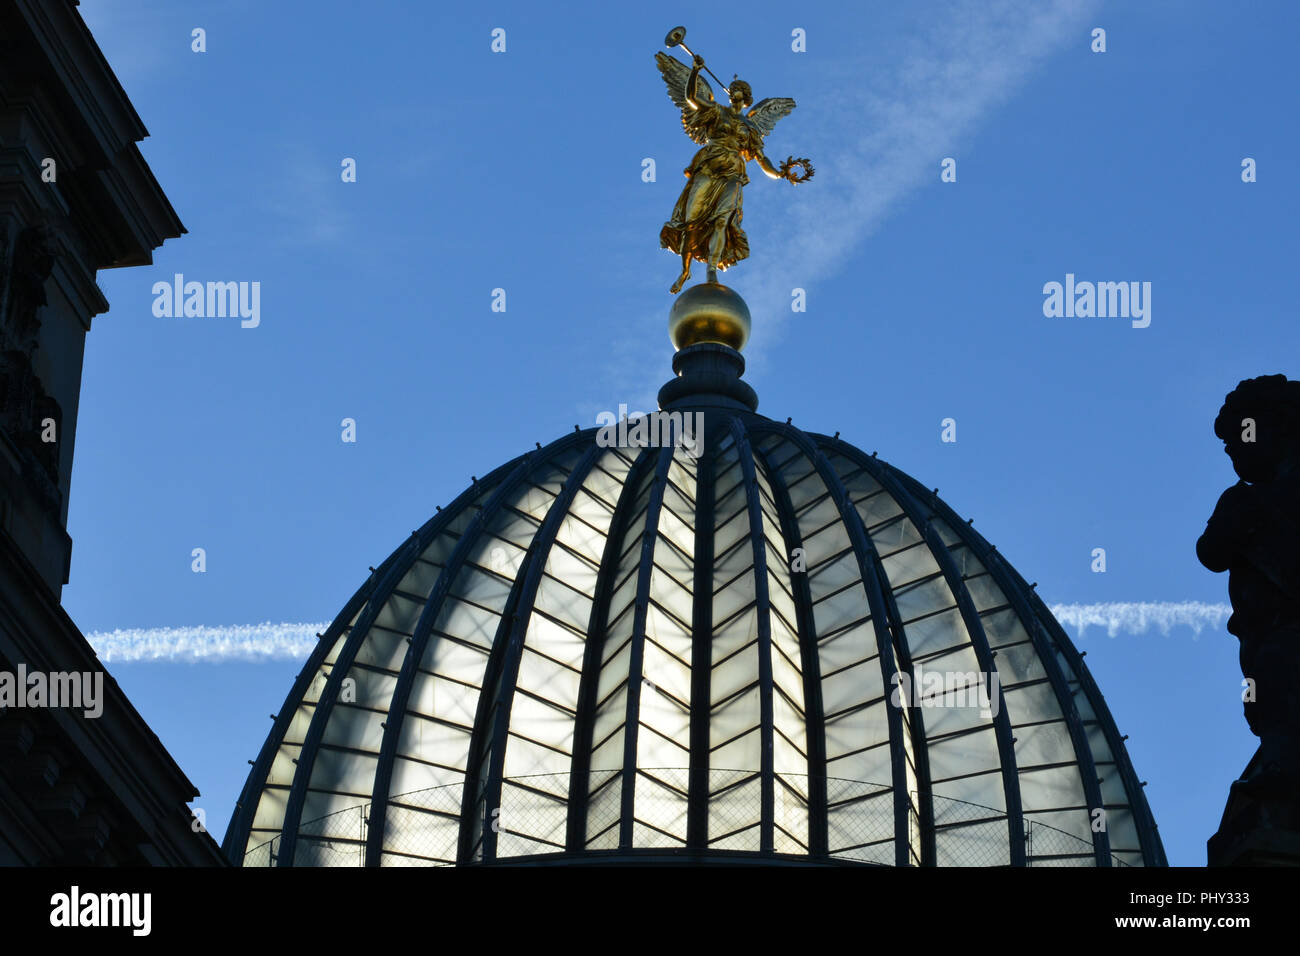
[[790, 163]]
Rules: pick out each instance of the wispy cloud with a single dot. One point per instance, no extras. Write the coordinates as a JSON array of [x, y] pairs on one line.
[[241, 642], [878, 131], [307, 201], [1141, 617], [885, 129]]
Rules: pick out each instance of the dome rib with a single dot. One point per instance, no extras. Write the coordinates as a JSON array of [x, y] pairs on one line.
[[916, 838], [697, 811], [597, 632], [306, 762], [883, 623], [1148, 842], [386, 578], [510, 636], [1033, 624], [903, 733], [979, 641], [636, 667], [524, 518], [244, 817], [814, 714], [762, 601], [410, 663], [912, 737]]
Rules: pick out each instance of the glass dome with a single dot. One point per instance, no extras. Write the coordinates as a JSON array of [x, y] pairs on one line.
[[780, 649]]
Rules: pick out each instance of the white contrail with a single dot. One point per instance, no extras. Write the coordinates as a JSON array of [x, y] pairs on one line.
[[1140, 617], [240, 642], [264, 642]]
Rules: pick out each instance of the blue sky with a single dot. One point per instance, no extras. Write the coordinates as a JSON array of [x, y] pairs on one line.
[[522, 170]]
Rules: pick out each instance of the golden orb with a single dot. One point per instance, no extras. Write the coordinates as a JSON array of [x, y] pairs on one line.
[[709, 312]]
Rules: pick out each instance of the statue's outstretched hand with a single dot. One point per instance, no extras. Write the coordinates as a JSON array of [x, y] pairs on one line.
[[791, 164]]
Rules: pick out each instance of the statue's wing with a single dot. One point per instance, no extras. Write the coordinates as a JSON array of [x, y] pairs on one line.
[[675, 74], [766, 112]]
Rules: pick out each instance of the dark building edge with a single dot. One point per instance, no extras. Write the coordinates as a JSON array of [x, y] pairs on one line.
[[73, 790]]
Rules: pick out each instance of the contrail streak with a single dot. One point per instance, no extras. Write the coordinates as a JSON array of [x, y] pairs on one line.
[[1141, 617], [240, 642], [266, 642]]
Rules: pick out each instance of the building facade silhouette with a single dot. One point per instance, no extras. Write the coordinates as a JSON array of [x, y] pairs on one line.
[[75, 197]]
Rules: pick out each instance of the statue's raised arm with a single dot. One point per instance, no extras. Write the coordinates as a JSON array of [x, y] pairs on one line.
[[676, 76]]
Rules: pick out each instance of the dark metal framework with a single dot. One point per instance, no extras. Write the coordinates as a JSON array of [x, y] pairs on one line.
[[602, 653]]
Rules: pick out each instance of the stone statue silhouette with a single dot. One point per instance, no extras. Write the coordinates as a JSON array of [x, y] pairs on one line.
[[1254, 535]]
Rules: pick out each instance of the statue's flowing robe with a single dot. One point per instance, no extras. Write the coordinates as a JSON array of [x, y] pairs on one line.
[[713, 187]]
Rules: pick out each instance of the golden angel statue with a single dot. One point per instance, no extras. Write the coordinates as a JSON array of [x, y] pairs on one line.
[[705, 223]]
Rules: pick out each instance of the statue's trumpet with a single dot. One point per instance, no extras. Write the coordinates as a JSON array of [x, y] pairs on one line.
[[675, 37]]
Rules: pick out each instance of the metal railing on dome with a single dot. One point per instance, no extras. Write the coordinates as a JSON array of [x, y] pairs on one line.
[[860, 826]]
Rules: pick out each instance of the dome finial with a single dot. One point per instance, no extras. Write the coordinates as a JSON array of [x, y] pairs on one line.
[[709, 312]]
